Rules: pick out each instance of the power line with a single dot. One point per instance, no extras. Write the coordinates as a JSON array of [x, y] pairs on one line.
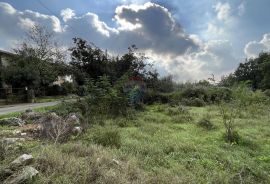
[[50, 11]]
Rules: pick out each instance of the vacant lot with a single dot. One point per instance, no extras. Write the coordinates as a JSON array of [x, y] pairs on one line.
[[161, 144]]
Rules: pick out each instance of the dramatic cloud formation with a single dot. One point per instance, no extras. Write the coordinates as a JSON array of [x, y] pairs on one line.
[[152, 27], [67, 14], [253, 48]]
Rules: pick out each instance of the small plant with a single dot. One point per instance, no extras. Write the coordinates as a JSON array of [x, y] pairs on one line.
[[228, 114], [107, 137], [206, 123], [182, 115]]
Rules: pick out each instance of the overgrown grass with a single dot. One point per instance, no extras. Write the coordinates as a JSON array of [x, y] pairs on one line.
[[152, 148]]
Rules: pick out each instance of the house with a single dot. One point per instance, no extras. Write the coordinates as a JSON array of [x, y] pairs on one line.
[[5, 56]]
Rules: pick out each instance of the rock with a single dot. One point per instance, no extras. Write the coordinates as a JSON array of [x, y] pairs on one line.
[[31, 116], [8, 141], [77, 130], [29, 110], [5, 173], [73, 119], [25, 175], [23, 134], [12, 121], [116, 162], [17, 132], [22, 160]]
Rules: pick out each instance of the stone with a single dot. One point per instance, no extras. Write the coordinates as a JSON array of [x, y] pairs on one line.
[[73, 119], [17, 132], [29, 110], [25, 175], [31, 116], [77, 130], [22, 160], [13, 121], [116, 162]]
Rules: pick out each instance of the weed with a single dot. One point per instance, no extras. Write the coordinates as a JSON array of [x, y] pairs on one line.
[[206, 123], [107, 137]]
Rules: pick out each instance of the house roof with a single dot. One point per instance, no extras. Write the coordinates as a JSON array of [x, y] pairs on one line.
[[3, 52]]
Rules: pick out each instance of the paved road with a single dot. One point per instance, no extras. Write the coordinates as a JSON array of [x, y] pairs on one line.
[[22, 107]]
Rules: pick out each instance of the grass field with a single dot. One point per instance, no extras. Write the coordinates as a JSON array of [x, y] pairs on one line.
[[158, 145]]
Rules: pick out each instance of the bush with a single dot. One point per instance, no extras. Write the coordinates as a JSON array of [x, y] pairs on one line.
[[206, 123], [180, 115], [196, 102], [107, 137], [218, 94], [55, 128], [228, 114], [194, 92], [152, 96], [232, 136], [200, 95]]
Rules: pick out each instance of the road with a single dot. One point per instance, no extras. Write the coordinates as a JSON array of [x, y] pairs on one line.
[[22, 107]]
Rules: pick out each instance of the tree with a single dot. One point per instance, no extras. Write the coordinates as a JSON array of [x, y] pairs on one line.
[[37, 62], [256, 71], [89, 61]]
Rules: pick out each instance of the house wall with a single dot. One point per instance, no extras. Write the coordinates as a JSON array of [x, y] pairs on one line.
[[4, 60]]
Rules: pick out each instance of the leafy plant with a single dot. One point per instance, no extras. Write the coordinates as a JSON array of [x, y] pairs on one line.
[[228, 113]]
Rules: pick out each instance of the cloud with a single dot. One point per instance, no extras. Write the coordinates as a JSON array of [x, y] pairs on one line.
[[163, 35], [242, 8], [67, 14], [253, 48], [183, 55], [214, 57], [223, 11]]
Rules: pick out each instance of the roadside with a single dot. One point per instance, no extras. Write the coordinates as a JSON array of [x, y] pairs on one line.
[[22, 107]]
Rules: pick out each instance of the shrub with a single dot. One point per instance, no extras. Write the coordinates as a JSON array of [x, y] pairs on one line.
[[196, 102], [206, 123], [228, 114], [195, 92], [182, 115], [152, 96], [107, 137], [55, 128], [218, 94]]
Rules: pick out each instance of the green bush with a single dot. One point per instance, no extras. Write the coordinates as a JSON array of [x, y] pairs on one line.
[[152, 96], [199, 95], [196, 102], [193, 92], [180, 114]]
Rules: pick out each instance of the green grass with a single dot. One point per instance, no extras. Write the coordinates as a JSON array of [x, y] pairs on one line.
[[154, 148], [49, 99], [18, 114]]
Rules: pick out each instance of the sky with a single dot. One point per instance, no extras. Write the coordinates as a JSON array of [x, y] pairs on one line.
[[190, 40]]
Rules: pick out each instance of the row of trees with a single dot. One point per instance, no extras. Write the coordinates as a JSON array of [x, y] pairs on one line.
[[255, 70], [39, 61]]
